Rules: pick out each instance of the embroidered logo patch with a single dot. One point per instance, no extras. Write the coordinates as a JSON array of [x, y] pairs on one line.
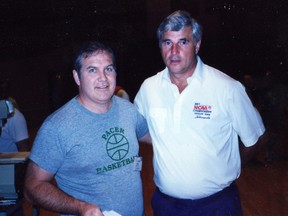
[[202, 111]]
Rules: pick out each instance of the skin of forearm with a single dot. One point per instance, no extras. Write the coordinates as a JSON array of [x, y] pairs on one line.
[[247, 153], [23, 145], [40, 190], [146, 139], [47, 196]]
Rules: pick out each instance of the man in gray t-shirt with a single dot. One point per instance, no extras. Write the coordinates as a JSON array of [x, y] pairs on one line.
[[90, 145]]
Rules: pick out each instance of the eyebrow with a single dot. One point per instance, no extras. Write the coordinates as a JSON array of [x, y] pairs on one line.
[[89, 67], [111, 65], [164, 40], [94, 67], [181, 39]]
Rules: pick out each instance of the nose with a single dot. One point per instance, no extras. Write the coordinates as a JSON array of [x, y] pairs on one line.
[[174, 48], [102, 76]]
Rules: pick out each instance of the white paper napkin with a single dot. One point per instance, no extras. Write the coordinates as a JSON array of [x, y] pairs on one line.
[[111, 213]]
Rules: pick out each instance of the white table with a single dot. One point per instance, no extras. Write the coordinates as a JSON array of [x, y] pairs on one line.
[[8, 192]]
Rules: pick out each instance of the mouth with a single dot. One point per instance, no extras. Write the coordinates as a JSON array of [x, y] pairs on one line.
[[174, 60], [102, 87]]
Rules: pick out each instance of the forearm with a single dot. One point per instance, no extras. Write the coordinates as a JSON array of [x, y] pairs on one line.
[[146, 139], [40, 190], [247, 153], [23, 145], [48, 196]]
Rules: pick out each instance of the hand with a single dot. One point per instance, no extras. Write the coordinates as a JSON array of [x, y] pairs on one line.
[[91, 210]]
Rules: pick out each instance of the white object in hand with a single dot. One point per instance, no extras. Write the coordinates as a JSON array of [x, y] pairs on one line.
[[110, 213]]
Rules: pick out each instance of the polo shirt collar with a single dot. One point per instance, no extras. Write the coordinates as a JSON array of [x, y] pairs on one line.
[[198, 72], [196, 75], [166, 75]]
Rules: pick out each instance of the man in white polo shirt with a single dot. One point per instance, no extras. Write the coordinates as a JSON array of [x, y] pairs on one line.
[[195, 114]]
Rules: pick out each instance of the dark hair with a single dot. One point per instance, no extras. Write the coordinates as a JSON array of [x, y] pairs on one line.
[[87, 49], [177, 21]]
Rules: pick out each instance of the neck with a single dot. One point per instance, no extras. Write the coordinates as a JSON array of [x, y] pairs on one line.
[[180, 79], [96, 107], [180, 83]]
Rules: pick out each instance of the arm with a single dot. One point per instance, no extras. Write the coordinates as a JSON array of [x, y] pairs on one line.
[[19, 131], [247, 153], [146, 138], [39, 190], [23, 145]]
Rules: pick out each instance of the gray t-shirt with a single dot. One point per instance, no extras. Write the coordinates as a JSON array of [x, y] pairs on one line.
[[92, 155]]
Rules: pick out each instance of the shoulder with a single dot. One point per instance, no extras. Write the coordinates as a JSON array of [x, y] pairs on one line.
[[63, 121], [154, 81], [124, 108], [122, 103], [158, 76], [17, 118], [17, 114], [67, 112], [218, 78]]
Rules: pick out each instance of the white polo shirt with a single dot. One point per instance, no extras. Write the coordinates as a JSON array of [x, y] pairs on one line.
[[13, 131], [195, 133]]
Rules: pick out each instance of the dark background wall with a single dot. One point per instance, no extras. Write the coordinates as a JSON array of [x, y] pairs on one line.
[[37, 39]]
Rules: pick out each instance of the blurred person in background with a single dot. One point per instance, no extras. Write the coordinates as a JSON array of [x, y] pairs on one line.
[[121, 92], [14, 136]]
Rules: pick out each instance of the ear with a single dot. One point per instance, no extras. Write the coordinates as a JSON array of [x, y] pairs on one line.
[[76, 77], [197, 47]]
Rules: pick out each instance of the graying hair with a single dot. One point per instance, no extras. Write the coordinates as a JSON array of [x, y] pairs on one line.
[[177, 21]]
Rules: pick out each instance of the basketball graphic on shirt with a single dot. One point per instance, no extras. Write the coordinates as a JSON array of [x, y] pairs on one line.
[[117, 147]]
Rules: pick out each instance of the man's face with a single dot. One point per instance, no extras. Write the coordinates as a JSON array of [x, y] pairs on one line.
[[179, 51], [98, 79]]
